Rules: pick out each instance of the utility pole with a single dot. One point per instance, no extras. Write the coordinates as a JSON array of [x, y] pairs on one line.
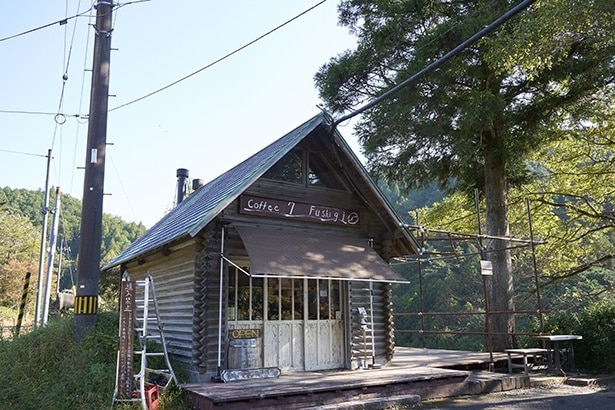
[[53, 241], [41, 258], [88, 267]]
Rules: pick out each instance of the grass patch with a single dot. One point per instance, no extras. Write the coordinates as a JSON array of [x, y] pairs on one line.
[[45, 369]]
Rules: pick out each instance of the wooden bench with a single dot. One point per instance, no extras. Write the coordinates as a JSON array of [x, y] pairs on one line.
[[534, 352]]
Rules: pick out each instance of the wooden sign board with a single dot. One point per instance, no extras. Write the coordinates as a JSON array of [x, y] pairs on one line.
[[302, 211], [125, 373]]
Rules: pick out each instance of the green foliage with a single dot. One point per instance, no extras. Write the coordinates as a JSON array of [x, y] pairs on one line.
[[406, 202], [488, 101], [550, 33], [45, 369], [477, 119], [117, 233], [572, 213], [450, 291], [18, 255], [596, 323], [20, 225]]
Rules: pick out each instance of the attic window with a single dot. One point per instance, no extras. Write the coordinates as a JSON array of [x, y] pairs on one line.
[[319, 174], [287, 169], [305, 168]]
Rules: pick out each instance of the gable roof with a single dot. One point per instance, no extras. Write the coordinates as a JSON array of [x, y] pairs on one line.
[[189, 217]]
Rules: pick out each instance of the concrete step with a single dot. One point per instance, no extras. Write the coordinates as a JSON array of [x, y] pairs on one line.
[[591, 380], [482, 382]]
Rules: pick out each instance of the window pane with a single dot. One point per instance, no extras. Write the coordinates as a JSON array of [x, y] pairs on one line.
[[312, 299], [335, 300], [323, 299], [243, 296], [298, 293], [287, 169], [319, 174], [273, 296], [287, 298], [257, 298], [232, 294]]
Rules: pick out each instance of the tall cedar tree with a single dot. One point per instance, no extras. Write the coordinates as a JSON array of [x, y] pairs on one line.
[[473, 122]]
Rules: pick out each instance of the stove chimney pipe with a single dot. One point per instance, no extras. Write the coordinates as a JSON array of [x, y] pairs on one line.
[[182, 184], [197, 183]]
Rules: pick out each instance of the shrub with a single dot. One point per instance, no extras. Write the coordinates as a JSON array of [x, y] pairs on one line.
[[596, 323], [45, 369]]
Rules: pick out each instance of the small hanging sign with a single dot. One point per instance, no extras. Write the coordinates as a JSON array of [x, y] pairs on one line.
[[486, 268]]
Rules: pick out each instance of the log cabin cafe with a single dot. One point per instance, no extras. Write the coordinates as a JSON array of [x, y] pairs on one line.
[[280, 262]]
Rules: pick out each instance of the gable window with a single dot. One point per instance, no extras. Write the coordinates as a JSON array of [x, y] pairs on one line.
[[319, 173], [288, 169], [306, 168]]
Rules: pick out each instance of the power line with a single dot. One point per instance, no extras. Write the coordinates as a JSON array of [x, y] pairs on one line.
[[24, 112], [65, 20], [440, 61], [39, 113], [60, 118], [81, 97], [218, 60], [59, 22], [22, 153]]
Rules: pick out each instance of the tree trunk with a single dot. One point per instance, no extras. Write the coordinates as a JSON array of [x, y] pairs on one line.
[[501, 286]]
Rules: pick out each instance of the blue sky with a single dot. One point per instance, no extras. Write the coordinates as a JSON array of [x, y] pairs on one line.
[[207, 123]]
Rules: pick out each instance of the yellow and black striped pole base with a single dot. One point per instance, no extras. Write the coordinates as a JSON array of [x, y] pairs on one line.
[[86, 305]]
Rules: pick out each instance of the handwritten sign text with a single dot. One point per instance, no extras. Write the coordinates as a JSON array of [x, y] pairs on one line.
[[303, 211]]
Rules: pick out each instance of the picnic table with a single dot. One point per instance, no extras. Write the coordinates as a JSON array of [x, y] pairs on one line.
[[560, 352]]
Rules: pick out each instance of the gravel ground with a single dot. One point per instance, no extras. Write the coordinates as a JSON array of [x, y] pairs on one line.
[[559, 396]]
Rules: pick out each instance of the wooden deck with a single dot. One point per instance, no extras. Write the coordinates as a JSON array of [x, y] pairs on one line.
[[414, 374]]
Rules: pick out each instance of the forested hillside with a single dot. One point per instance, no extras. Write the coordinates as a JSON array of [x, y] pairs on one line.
[[21, 220]]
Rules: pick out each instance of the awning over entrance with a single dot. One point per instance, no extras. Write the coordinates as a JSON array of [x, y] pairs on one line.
[[280, 253]]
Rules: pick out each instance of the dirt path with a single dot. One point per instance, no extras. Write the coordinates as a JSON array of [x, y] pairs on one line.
[[560, 397]]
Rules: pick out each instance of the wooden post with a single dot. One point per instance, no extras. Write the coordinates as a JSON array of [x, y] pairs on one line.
[[22, 305]]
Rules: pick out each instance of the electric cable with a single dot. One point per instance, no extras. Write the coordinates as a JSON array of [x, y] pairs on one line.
[[23, 153], [59, 22], [24, 112], [219, 59], [81, 94], [38, 113], [60, 118], [65, 20], [119, 179], [439, 37], [440, 61]]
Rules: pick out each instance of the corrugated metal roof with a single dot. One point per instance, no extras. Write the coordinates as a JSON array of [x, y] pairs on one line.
[[202, 206]]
